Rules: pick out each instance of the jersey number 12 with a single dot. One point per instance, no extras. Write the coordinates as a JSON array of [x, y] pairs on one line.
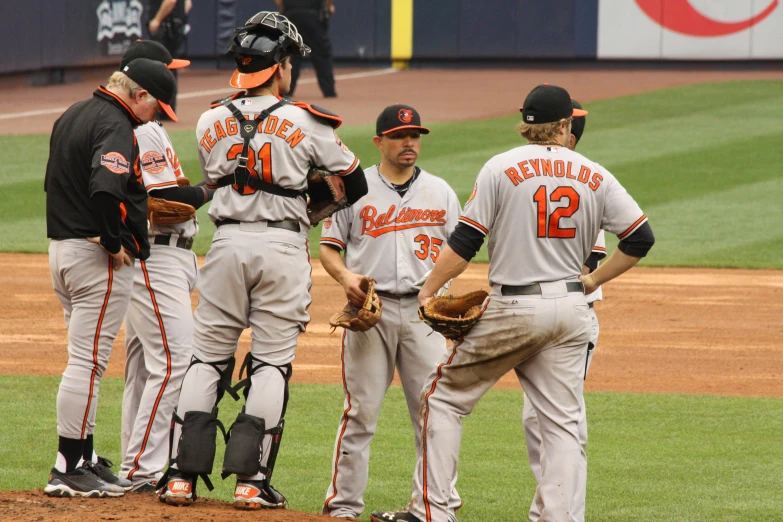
[[549, 224]]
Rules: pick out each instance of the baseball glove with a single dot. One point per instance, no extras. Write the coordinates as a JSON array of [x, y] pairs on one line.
[[165, 212], [453, 316], [182, 181], [360, 319], [327, 194]]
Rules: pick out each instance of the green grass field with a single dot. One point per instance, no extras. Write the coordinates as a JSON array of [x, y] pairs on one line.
[[651, 457], [705, 171]]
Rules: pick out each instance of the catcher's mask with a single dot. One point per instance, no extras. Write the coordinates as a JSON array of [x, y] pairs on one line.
[[261, 45]]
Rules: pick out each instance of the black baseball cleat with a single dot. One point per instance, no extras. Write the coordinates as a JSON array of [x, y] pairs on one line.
[[102, 468], [179, 489], [393, 516], [257, 494], [81, 482], [143, 487]]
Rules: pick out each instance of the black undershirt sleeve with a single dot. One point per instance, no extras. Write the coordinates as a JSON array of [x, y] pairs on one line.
[[465, 241], [191, 195], [355, 185], [638, 243], [107, 210], [592, 261]]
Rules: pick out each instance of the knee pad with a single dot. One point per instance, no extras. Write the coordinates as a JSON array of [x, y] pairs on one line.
[[243, 450], [224, 384], [197, 443]]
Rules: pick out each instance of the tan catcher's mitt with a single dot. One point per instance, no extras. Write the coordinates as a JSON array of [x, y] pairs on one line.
[[327, 194], [360, 319], [453, 316]]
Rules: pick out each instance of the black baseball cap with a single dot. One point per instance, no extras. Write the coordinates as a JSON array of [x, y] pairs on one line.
[[398, 117], [154, 77], [153, 51], [548, 103], [579, 122]]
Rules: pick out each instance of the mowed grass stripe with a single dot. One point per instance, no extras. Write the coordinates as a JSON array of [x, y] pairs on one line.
[[674, 150], [651, 457]]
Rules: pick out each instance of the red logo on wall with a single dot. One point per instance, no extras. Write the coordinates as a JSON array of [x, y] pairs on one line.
[[681, 17]]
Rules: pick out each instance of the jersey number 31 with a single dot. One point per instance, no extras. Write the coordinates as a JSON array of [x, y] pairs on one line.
[[264, 158], [549, 224]]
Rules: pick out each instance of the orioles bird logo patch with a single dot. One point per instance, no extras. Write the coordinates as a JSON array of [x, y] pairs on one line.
[[405, 115], [245, 60], [472, 194], [328, 222]]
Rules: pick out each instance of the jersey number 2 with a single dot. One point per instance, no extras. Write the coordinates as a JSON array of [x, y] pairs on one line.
[[264, 158], [552, 228], [428, 244]]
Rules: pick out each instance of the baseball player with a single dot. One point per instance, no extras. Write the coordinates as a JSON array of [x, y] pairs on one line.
[[542, 206], [393, 235], [255, 148], [529, 416], [159, 322], [96, 217]]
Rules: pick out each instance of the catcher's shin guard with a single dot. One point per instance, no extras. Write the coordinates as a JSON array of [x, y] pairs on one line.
[[244, 449]]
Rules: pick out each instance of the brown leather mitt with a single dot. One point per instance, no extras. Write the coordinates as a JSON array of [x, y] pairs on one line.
[[327, 195], [453, 316], [164, 212], [361, 319], [182, 181]]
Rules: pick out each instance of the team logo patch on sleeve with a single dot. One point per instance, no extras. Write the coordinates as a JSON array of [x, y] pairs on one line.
[[327, 223], [153, 162], [115, 162], [472, 194], [340, 143]]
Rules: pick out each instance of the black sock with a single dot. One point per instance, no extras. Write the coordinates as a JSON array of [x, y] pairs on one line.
[[88, 448], [72, 450]]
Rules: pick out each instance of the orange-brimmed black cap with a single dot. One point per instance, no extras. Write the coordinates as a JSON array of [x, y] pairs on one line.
[[153, 51], [155, 78], [399, 117], [548, 103]]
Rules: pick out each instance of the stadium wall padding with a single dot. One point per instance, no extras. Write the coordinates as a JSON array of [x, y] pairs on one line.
[[46, 34]]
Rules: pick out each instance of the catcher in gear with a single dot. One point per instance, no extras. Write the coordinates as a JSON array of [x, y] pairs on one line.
[[391, 237], [255, 149], [159, 321]]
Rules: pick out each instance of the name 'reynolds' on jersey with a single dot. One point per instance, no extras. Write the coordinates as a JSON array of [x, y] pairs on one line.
[[553, 169]]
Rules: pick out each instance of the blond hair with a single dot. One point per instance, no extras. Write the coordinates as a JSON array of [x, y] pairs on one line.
[[119, 80], [542, 131]]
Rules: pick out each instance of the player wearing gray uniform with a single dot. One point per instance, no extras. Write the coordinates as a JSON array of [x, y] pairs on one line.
[[529, 416], [159, 322], [542, 206], [96, 217], [255, 149], [393, 235]]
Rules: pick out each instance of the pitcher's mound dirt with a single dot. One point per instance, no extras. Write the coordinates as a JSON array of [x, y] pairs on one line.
[[35, 506]]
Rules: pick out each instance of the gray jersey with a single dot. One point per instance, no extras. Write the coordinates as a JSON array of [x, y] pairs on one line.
[[542, 208], [395, 239], [289, 141], [160, 168]]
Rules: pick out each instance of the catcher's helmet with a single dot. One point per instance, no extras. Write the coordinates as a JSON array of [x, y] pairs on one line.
[[260, 45]]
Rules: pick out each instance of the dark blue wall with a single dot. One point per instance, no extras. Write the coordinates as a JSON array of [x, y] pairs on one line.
[[360, 30]]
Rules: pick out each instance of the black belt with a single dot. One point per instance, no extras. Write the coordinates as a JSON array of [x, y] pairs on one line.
[[286, 224], [535, 289], [389, 295], [182, 242]]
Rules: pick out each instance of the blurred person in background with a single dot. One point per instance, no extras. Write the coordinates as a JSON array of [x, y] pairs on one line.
[[168, 25], [311, 18]]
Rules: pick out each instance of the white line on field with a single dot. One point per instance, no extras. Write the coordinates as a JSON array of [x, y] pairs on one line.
[[212, 92]]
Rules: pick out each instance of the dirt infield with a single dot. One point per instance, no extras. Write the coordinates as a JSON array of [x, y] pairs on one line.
[[662, 330]]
